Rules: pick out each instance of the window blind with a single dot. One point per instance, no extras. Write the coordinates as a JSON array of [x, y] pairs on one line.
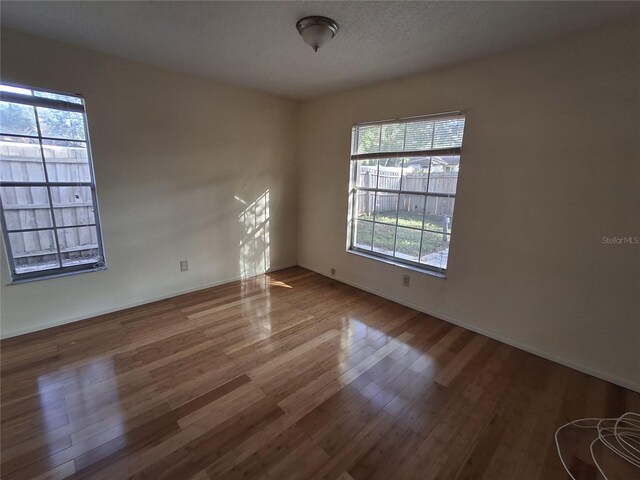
[[422, 136]]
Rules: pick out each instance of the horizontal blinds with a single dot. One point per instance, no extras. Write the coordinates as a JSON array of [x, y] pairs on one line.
[[429, 135]]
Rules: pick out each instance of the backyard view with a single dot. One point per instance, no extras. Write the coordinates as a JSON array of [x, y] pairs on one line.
[[402, 206], [47, 187], [405, 241]]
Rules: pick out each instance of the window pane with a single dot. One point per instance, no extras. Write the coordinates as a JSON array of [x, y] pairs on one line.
[[411, 210], [365, 203], [367, 139], [80, 257], [26, 207], [389, 170], [363, 234], [419, 135], [76, 239], [408, 244], [33, 251], [61, 124], [56, 96], [384, 238], [71, 196], [66, 161], [21, 160], [17, 119], [366, 173], [415, 174], [72, 206], [444, 174], [36, 264], [386, 207], [392, 138], [439, 214], [448, 133], [435, 249]]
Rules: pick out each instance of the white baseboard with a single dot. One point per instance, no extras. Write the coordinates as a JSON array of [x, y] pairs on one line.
[[486, 333], [144, 301]]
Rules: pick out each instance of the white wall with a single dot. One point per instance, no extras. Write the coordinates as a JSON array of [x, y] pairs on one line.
[[171, 154], [550, 165]]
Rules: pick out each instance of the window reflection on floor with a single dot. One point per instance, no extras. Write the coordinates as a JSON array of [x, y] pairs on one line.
[[87, 391]]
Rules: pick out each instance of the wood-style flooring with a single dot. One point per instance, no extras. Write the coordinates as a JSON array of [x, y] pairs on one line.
[[289, 375]]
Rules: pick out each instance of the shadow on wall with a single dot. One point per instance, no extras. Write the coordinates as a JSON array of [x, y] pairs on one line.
[[255, 257]]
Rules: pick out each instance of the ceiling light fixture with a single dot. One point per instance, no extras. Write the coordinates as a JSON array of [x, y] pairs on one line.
[[316, 31]]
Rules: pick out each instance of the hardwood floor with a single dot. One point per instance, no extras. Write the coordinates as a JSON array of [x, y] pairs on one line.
[[289, 376]]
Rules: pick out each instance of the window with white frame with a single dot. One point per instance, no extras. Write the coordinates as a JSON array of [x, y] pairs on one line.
[[404, 175], [50, 220]]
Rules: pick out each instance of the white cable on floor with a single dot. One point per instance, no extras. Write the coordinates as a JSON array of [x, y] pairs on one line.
[[620, 435]]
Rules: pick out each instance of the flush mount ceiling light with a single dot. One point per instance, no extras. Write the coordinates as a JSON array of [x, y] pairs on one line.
[[316, 31]]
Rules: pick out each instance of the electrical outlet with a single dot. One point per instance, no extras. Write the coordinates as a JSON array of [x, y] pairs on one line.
[[406, 280], [333, 271], [184, 265]]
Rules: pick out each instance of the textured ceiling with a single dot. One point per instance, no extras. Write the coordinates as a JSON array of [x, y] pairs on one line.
[[255, 44]]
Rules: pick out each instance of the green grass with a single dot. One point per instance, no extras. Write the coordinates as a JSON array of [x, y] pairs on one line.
[[408, 219], [407, 242]]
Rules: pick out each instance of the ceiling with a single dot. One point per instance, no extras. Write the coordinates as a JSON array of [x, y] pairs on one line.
[[255, 44]]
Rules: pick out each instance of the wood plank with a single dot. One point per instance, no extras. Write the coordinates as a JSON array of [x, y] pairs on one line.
[[284, 376]]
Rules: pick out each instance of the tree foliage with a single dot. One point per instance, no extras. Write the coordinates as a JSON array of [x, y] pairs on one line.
[[21, 120]]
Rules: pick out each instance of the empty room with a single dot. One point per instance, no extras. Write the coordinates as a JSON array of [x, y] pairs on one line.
[[363, 240]]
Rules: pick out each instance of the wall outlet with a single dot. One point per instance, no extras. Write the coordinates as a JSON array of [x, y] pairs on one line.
[[406, 280], [184, 265], [333, 271]]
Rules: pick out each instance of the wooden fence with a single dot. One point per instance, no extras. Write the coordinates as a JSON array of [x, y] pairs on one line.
[[28, 207], [439, 182]]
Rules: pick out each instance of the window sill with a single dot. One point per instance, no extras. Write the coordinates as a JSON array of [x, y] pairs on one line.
[[389, 261], [18, 281]]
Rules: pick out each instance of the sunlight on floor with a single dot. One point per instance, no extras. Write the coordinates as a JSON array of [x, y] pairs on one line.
[[275, 283]]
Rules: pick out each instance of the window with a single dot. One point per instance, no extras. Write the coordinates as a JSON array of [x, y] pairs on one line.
[[48, 198], [403, 189]]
